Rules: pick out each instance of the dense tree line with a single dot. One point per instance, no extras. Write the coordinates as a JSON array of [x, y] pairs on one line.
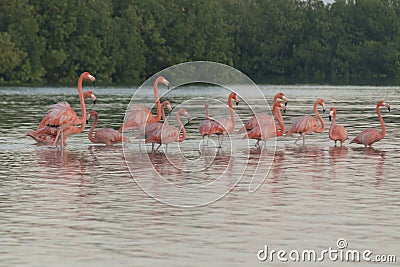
[[126, 41]]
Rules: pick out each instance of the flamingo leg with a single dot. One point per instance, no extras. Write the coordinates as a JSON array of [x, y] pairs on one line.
[[157, 147], [304, 139], [152, 147], [297, 139]]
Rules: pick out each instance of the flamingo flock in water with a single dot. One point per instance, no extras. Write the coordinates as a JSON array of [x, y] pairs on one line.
[[61, 121]]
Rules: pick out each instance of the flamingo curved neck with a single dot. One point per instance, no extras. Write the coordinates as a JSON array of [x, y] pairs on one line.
[[163, 112], [278, 116], [90, 134], [207, 114], [155, 87], [319, 130], [378, 111], [82, 100], [232, 114], [332, 125]]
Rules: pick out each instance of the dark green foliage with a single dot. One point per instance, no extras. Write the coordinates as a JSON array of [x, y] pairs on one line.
[[125, 42]]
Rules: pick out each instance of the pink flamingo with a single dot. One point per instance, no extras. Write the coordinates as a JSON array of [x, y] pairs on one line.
[[370, 136], [62, 113], [62, 118], [254, 121], [106, 136], [336, 132], [168, 134], [206, 124], [224, 126], [308, 124], [152, 127], [139, 115], [267, 128]]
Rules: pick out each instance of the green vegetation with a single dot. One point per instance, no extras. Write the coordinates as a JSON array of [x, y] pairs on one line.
[[126, 41]]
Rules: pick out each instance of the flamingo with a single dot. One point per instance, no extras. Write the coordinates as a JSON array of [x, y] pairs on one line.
[[63, 113], [256, 119], [267, 128], [168, 134], [62, 118], [205, 125], [370, 136], [224, 126], [106, 136], [152, 127], [336, 132], [139, 115], [308, 124]]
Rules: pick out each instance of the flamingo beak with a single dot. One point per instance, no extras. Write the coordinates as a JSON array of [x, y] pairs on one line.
[[285, 100], [237, 103], [94, 83], [388, 108], [94, 102], [330, 117]]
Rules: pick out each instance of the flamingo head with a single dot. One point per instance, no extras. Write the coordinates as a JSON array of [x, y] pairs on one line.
[[161, 79], [280, 96], [281, 106], [92, 113], [91, 95], [87, 75], [332, 112], [169, 106], [233, 96], [383, 103], [321, 103], [185, 113]]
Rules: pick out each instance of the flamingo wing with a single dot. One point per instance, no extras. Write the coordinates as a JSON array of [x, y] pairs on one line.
[[205, 127], [339, 133], [151, 128], [169, 134], [367, 137], [305, 124], [108, 136], [221, 126], [60, 114], [255, 121]]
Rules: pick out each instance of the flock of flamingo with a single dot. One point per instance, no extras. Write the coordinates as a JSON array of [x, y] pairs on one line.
[[61, 121]]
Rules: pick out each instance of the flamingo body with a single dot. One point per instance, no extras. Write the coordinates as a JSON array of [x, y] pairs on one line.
[[106, 136], [370, 136], [266, 128], [224, 126], [139, 115], [308, 124], [336, 132], [168, 134], [62, 113], [254, 121], [61, 119]]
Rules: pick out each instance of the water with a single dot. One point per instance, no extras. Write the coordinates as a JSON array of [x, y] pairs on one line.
[[82, 207]]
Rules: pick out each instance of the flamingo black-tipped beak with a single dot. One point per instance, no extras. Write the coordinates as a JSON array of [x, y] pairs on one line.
[[87, 122], [94, 82], [237, 103], [330, 118], [323, 110], [389, 109], [284, 111], [285, 104], [94, 102]]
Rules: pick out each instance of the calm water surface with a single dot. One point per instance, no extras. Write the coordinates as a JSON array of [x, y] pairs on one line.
[[82, 207]]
